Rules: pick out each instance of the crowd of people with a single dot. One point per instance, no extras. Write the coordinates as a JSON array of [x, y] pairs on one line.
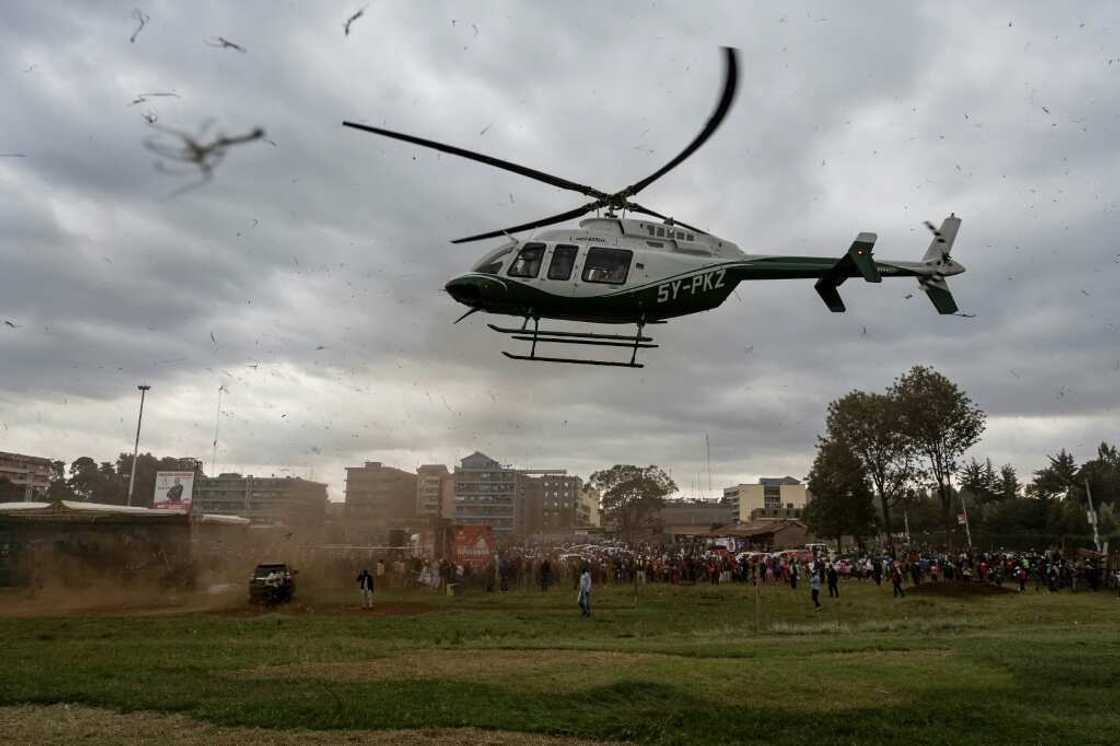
[[583, 566]]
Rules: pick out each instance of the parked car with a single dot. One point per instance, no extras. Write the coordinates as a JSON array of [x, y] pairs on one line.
[[272, 583]]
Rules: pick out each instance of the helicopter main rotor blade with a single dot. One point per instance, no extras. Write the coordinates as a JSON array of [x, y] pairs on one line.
[[730, 83], [635, 207], [582, 210], [531, 173]]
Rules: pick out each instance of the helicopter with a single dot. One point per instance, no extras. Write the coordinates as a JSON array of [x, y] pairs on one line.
[[615, 268]]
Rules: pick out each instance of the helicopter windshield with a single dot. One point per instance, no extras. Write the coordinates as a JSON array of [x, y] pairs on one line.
[[492, 262]]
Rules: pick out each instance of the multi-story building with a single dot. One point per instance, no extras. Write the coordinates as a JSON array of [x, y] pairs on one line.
[[562, 506], [485, 494], [378, 498], [289, 501], [588, 507], [28, 475], [435, 492], [782, 497]]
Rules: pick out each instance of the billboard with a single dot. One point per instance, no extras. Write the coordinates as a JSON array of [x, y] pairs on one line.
[[173, 491], [474, 545]]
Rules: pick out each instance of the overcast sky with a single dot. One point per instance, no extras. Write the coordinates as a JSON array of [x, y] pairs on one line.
[[306, 277]]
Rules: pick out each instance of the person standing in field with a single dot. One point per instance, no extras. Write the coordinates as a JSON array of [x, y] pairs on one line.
[[365, 586], [585, 592], [815, 588], [833, 581], [896, 580]]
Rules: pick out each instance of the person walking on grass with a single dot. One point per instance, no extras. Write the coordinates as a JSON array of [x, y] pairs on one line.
[[815, 588], [833, 581], [896, 580], [365, 586], [585, 592]]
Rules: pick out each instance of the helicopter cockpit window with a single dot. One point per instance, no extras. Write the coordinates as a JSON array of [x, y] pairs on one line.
[[607, 265], [528, 262], [492, 262], [563, 259]]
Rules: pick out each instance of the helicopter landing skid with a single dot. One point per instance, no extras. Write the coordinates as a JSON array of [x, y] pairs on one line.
[[536, 336]]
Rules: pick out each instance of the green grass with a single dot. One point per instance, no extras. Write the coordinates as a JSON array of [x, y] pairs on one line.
[[684, 665]]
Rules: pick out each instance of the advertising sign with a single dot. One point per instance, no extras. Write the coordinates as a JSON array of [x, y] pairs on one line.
[[173, 491], [474, 545]]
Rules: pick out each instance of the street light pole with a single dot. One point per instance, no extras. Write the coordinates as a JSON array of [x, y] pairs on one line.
[[136, 448]]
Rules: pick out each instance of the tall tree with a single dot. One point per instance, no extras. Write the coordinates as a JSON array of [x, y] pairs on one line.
[[868, 424], [941, 422], [1058, 480], [981, 481], [632, 496], [1009, 486], [842, 501], [1103, 474]]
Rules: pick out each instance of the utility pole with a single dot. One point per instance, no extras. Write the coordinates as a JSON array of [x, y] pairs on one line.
[[136, 447], [217, 420], [1092, 516], [964, 509]]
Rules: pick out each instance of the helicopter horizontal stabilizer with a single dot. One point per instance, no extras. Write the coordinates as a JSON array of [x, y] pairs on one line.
[[938, 291]]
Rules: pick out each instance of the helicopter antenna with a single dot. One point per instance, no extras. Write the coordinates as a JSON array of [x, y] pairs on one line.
[[619, 200]]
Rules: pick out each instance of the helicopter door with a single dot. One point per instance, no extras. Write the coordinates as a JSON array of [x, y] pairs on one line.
[[561, 264]]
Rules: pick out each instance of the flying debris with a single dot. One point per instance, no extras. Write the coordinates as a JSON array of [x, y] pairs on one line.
[[212, 338], [12, 155], [361, 12], [223, 43], [142, 97], [205, 156], [12, 324], [141, 18], [150, 117]]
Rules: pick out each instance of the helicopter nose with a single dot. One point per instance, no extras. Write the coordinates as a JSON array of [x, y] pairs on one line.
[[470, 290]]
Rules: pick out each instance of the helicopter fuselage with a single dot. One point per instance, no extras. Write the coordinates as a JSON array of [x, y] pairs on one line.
[[624, 271]]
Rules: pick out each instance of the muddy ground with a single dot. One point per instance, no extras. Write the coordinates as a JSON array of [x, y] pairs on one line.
[[67, 724]]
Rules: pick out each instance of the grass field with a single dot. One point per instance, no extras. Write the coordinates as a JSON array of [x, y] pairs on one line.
[[700, 664]]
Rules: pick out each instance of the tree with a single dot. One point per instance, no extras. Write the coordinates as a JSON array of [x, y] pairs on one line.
[[842, 499], [632, 496], [981, 481], [868, 424], [1103, 474], [941, 422], [1009, 486], [59, 489], [1058, 480]]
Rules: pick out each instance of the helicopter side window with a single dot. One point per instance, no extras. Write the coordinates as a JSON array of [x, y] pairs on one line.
[[607, 265], [528, 262], [563, 259]]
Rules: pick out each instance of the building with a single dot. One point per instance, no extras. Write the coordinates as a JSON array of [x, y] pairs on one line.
[[783, 497], [435, 491], [561, 507], [486, 494], [288, 501], [589, 506], [29, 476], [379, 498], [768, 535], [685, 517]]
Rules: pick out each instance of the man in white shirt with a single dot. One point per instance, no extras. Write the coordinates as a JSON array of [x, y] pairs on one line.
[[585, 591]]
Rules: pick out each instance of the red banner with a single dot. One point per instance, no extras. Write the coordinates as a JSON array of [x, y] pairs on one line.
[[474, 545]]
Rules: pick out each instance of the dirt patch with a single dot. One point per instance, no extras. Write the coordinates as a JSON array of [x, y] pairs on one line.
[[546, 670], [67, 724], [958, 590]]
